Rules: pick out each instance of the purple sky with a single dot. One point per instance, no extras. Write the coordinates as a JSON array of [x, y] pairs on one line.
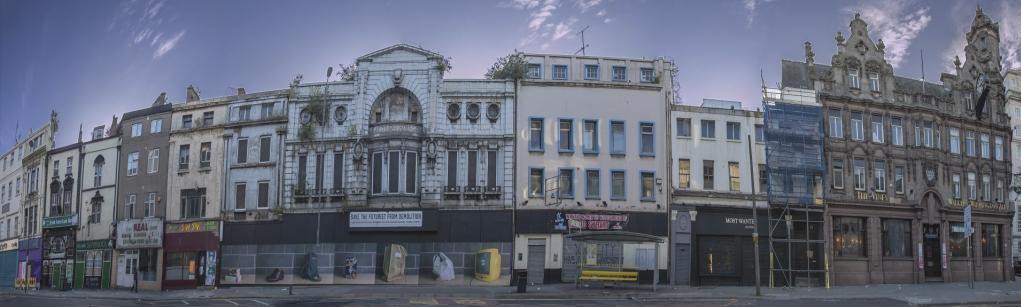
[[91, 60]]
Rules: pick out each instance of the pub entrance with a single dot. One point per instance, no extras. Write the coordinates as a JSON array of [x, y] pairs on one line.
[[931, 247]]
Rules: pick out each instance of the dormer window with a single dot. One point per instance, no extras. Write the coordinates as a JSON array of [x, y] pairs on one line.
[[853, 79], [874, 81]]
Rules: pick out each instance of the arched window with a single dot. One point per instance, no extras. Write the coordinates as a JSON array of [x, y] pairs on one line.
[[396, 105], [97, 166]]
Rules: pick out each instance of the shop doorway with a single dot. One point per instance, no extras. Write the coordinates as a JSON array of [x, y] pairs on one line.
[[127, 267], [536, 261], [931, 250]]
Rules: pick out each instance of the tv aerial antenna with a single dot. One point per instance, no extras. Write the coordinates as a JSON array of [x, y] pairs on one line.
[[583, 44]]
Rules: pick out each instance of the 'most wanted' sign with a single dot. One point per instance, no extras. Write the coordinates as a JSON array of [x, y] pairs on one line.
[[386, 219]]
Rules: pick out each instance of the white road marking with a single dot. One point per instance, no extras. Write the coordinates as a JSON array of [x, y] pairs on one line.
[[232, 302], [185, 302], [261, 302]]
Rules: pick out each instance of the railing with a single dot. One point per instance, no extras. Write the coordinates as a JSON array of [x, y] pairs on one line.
[[257, 116]]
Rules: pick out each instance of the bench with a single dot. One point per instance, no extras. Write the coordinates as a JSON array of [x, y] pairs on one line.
[[608, 276]]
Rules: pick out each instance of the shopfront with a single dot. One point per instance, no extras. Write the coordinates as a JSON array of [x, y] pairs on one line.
[[29, 262], [8, 263], [94, 264], [406, 247], [139, 254], [58, 252], [723, 247], [541, 250], [191, 252]]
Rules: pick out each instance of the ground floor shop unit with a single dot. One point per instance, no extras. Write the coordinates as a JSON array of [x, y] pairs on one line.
[[399, 246], [29, 263], [58, 258], [722, 249], [94, 264], [191, 254], [138, 254], [544, 255], [8, 263], [918, 243]]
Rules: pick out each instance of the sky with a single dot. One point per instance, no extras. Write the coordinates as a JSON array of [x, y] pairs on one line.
[[91, 60]]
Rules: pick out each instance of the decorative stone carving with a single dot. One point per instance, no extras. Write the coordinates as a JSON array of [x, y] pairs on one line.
[[431, 149], [881, 46], [474, 111], [809, 55], [840, 38], [453, 111], [340, 114], [398, 77], [493, 112], [305, 116]]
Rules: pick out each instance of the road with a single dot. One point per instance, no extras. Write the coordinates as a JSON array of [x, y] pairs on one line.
[[36, 301]]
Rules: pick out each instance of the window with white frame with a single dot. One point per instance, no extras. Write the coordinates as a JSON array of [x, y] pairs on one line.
[[898, 179], [683, 127], [559, 72], [648, 186], [853, 78], [857, 126], [565, 141], [984, 146], [150, 204], [619, 73], [133, 163], [836, 124], [879, 175], [647, 139], [969, 143], [590, 136], [535, 182], [183, 157], [535, 134], [986, 193], [648, 76], [859, 174], [838, 174], [998, 148], [136, 130], [955, 140], [591, 72], [956, 186], [534, 71], [153, 165], [155, 126], [874, 81], [877, 129], [927, 127], [618, 146], [129, 206], [896, 131], [972, 186]]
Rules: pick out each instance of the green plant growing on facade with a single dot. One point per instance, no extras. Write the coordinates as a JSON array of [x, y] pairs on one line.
[[512, 67], [444, 64], [306, 132]]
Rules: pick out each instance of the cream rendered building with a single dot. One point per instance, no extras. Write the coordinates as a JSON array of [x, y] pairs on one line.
[[1012, 83], [591, 155], [98, 194]]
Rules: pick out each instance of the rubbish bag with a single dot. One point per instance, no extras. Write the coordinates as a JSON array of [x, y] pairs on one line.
[[443, 267], [311, 271]]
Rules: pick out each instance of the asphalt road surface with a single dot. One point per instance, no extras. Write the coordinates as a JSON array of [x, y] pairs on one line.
[[36, 301]]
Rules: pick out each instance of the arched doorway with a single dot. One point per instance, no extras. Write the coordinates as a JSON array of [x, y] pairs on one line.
[[931, 219]]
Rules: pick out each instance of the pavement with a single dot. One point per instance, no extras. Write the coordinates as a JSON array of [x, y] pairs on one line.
[[933, 294]]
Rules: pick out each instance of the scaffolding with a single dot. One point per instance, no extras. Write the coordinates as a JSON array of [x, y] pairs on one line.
[[795, 169]]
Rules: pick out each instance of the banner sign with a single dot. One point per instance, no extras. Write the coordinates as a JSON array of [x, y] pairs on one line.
[[385, 219], [921, 259], [140, 233], [596, 221], [95, 244], [211, 226], [9, 245], [60, 221]]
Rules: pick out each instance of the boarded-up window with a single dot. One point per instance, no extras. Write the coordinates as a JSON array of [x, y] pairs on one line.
[[473, 168], [263, 194], [452, 168], [338, 171], [491, 168], [411, 173], [239, 196], [242, 150], [395, 170]]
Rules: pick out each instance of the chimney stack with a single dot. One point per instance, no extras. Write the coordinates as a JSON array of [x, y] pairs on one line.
[[241, 91], [193, 95], [162, 99]]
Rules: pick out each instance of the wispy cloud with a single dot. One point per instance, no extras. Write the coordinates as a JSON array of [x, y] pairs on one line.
[[897, 23], [142, 22], [551, 20], [1010, 33], [167, 45], [751, 6]]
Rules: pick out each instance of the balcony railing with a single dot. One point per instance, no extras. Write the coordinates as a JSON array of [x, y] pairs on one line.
[[255, 116]]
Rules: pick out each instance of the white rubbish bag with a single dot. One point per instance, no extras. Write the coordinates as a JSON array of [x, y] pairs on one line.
[[442, 267]]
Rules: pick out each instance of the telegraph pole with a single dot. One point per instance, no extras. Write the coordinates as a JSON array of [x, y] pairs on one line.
[[755, 216]]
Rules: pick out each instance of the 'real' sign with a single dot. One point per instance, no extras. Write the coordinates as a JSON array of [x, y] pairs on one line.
[[140, 233]]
